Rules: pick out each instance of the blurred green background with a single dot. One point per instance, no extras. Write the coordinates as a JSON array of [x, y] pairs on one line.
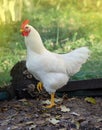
[[63, 25]]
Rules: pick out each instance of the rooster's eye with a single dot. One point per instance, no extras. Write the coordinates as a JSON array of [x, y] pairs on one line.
[[26, 27]]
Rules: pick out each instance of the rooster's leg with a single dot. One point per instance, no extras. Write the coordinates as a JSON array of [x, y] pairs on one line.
[[52, 101], [39, 86]]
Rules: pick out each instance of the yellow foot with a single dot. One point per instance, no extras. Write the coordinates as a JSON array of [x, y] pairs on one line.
[[50, 106], [39, 86], [52, 101]]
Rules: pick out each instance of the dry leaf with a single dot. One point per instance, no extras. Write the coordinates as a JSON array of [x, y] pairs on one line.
[[32, 127], [99, 120], [58, 117], [58, 99], [81, 119], [75, 114], [54, 121], [64, 109], [62, 129], [13, 127], [46, 102], [23, 100], [39, 122], [90, 100], [77, 125], [29, 122]]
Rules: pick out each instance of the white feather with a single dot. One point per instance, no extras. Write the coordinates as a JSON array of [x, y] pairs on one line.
[[52, 69], [75, 59]]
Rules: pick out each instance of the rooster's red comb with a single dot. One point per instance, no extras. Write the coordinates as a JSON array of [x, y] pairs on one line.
[[25, 23]]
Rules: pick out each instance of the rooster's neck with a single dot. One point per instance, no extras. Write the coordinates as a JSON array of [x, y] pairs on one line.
[[34, 43]]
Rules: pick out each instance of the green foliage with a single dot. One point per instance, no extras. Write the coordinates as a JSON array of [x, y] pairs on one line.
[[64, 25]]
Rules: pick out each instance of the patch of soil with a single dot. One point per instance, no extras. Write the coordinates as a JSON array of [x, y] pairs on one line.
[[29, 114]]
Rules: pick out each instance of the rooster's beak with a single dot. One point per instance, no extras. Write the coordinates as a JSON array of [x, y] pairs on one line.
[[21, 30]]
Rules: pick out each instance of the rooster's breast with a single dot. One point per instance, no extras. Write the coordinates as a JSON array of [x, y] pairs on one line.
[[33, 66]]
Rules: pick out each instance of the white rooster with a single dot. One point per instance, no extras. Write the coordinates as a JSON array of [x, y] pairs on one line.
[[51, 69]]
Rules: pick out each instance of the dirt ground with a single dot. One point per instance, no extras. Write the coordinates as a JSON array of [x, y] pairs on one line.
[[68, 114]]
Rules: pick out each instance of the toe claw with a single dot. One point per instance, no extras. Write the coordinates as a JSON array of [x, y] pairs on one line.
[[39, 86]]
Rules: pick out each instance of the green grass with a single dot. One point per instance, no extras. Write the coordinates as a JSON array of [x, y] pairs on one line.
[[8, 58]]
